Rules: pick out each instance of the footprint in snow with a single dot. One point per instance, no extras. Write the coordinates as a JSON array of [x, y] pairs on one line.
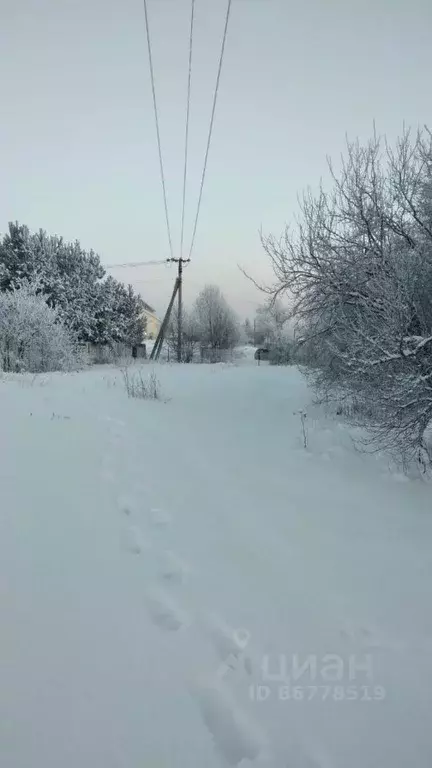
[[173, 570], [234, 736], [165, 612], [133, 540], [127, 505]]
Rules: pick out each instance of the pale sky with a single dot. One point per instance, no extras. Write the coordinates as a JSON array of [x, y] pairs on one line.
[[77, 135]]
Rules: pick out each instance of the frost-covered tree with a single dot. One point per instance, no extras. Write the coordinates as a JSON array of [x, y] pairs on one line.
[[217, 322], [32, 336], [271, 322], [21, 256], [72, 280], [191, 335], [272, 329], [358, 270]]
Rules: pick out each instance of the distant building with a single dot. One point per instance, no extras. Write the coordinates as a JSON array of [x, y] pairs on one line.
[[153, 322]]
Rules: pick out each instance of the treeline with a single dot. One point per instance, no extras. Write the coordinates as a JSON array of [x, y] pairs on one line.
[[93, 307], [210, 324], [357, 268], [54, 295]]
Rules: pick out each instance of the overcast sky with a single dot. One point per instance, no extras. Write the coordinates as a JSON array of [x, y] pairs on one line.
[[77, 135]]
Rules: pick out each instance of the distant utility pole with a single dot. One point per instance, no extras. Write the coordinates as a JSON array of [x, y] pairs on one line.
[[180, 263]]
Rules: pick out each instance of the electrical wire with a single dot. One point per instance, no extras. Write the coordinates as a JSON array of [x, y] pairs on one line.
[[157, 127], [135, 264], [211, 124], [187, 126]]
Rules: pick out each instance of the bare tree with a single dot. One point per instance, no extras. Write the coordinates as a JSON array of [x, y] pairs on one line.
[[358, 268]]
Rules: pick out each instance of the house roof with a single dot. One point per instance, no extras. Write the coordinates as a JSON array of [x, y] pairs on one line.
[[148, 308]]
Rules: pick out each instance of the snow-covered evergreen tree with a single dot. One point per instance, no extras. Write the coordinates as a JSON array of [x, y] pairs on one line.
[[18, 257], [93, 308], [134, 321]]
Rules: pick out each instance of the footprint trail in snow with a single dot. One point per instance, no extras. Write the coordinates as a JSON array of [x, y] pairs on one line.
[[235, 737]]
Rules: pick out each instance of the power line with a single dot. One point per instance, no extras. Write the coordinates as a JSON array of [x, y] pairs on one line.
[[178, 288], [187, 126], [180, 260], [136, 264], [157, 127], [154, 280], [211, 123]]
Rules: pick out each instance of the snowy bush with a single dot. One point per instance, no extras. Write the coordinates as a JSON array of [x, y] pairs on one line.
[[358, 269], [32, 337]]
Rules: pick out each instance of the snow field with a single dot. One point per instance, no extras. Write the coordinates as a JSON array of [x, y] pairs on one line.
[[162, 563]]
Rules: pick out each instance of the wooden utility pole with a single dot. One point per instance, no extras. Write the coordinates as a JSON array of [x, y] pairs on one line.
[[180, 263], [180, 308], [161, 335]]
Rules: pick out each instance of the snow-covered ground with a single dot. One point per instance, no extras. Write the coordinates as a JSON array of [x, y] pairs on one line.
[[183, 584]]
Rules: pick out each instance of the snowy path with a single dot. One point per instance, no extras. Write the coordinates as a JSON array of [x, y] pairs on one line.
[[163, 565]]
